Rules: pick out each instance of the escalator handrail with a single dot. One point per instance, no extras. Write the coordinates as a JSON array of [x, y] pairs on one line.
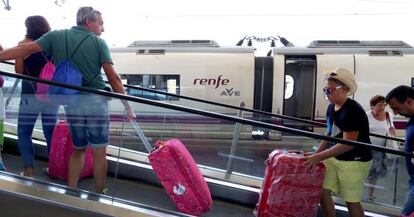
[[211, 114], [248, 110]]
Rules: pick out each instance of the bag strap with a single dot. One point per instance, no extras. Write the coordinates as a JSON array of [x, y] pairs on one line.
[[387, 116], [77, 47], [47, 60], [90, 80], [74, 52]]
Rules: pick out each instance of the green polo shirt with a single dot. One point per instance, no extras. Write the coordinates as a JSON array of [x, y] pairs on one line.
[[89, 58]]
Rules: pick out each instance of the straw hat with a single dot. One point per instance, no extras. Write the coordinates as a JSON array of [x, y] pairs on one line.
[[344, 76]]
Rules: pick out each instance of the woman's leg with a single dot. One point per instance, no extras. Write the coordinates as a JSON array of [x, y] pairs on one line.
[[28, 112], [371, 188]]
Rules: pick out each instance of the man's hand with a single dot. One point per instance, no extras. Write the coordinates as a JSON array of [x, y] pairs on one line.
[[311, 160]]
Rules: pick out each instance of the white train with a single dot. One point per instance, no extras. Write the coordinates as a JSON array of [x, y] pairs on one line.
[[288, 81]]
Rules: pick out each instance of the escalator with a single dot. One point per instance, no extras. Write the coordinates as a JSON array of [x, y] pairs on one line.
[[234, 187]]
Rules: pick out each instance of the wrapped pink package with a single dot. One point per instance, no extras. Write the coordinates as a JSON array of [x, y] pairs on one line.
[[289, 188]]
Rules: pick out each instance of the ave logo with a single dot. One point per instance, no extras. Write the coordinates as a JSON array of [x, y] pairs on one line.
[[230, 92], [217, 83]]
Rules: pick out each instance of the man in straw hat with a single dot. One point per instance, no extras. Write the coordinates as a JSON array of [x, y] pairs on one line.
[[347, 166]]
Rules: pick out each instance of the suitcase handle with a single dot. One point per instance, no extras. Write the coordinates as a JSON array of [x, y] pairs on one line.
[[141, 135], [299, 152]]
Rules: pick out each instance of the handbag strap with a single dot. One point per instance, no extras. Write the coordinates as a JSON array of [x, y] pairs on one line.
[[47, 60], [387, 116]]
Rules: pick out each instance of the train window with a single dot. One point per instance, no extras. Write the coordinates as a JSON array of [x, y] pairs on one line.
[[289, 84], [165, 83]]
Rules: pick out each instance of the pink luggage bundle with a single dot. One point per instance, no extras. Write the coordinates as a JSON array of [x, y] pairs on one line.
[[61, 150], [179, 174], [289, 188]]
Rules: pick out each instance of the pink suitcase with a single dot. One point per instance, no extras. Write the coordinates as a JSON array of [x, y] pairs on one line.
[[180, 176], [178, 173], [60, 151], [289, 189]]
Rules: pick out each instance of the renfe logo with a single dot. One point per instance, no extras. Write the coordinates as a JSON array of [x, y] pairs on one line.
[[211, 81]]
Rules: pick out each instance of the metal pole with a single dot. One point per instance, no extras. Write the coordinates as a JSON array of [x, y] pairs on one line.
[[234, 142], [11, 91], [396, 162]]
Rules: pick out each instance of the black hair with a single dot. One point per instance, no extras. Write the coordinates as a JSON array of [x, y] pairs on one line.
[[400, 93]]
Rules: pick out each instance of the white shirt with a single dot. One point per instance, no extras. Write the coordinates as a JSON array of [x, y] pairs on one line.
[[378, 127]]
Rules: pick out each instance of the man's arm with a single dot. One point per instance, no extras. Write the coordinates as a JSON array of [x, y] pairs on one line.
[[334, 151], [323, 145], [20, 51], [19, 62], [116, 84]]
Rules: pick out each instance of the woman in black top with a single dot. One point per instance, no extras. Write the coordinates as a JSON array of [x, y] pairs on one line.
[[30, 106]]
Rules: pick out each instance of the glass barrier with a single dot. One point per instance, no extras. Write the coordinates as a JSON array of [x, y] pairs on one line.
[[221, 145]]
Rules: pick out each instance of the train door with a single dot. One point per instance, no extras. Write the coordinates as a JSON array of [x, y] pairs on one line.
[[263, 83], [263, 93], [299, 91]]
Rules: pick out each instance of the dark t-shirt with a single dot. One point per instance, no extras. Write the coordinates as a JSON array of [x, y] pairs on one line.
[[33, 65], [409, 147], [350, 117]]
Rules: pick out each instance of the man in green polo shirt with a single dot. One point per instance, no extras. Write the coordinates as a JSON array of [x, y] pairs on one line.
[[86, 127]]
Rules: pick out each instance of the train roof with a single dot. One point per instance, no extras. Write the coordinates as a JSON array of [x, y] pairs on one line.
[[358, 44], [175, 43], [180, 46], [373, 48]]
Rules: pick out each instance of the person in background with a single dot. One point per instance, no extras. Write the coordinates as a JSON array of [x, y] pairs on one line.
[[347, 166], [380, 122], [30, 107], [86, 128], [2, 117], [401, 101]]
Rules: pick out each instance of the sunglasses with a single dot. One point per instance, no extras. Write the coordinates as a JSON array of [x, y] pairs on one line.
[[330, 90]]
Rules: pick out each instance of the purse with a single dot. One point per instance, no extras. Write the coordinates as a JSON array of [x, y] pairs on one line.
[[392, 144]]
